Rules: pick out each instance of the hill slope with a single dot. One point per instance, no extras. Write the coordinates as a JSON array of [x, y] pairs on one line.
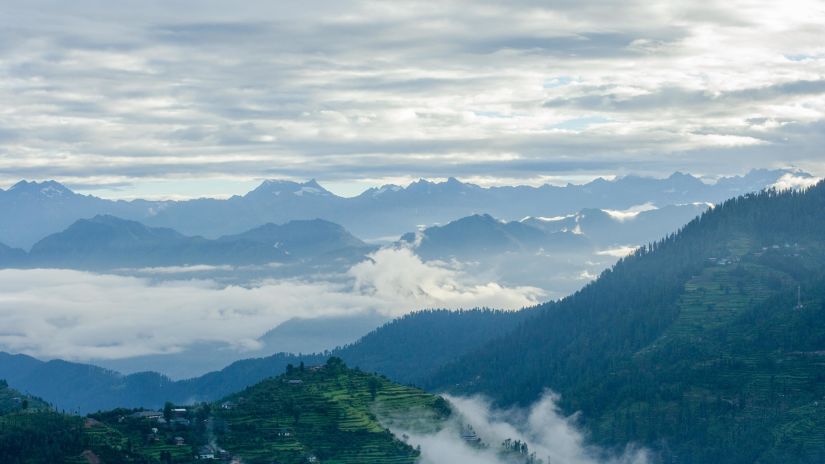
[[331, 413], [328, 413], [407, 350], [694, 345]]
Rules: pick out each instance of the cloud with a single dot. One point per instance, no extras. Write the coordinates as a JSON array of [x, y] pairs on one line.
[[107, 95], [78, 315], [618, 252], [631, 212], [399, 275], [553, 437], [790, 181]]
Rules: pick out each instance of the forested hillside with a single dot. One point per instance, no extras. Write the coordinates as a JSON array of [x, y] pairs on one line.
[[696, 345]]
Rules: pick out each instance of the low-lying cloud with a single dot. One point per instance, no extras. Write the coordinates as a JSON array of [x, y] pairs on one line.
[[77, 315], [551, 438], [630, 213], [790, 181]]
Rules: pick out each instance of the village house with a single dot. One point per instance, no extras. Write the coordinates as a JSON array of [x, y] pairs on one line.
[[469, 436], [206, 452]]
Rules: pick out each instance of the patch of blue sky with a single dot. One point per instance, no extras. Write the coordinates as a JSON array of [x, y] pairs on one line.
[[492, 114], [800, 57], [557, 82], [581, 123]]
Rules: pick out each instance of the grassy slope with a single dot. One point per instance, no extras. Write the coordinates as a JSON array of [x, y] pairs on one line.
[[333, 414]]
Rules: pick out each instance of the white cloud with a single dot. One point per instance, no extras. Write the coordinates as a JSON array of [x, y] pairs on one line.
[[618, 252], [79, 315], [398, 275], [631, 212], [790, 181], [553, 437]]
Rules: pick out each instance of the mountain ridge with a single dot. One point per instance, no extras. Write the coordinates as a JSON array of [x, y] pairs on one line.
[[109, 242], [37, 212]]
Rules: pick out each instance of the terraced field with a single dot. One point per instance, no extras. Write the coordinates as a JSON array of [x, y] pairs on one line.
[[720, 293], [740, 358], [335, 414]]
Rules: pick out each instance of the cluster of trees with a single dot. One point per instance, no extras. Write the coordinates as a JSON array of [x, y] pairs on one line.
[[39, 438]]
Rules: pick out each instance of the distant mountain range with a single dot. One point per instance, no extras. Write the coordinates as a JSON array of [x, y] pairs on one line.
[[108, 242], [29, 211], [590, 230], [485, 236]]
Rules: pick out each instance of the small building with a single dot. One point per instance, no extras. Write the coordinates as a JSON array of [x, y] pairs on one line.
[[284, 432], [227, 405], [295, 382], [179, 441], [469, 436], [206, 452]]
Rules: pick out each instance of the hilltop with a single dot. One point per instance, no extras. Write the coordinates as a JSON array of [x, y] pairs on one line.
[[329, 411], [12, 400]]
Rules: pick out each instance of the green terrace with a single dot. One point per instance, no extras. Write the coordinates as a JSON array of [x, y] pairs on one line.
[[329, 413]]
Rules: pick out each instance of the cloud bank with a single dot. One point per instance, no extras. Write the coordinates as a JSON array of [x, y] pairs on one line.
[[554, 438], [162, 98], [78, 315]]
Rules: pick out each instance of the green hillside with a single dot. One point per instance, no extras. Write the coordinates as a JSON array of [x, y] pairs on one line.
[[12, 400], [695, 346], [32, 432], [331, 413]]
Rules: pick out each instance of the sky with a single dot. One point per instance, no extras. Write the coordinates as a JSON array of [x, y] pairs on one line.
[[206, 98]]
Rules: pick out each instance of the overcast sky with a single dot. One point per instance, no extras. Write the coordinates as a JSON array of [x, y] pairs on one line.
[[206, 98]]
